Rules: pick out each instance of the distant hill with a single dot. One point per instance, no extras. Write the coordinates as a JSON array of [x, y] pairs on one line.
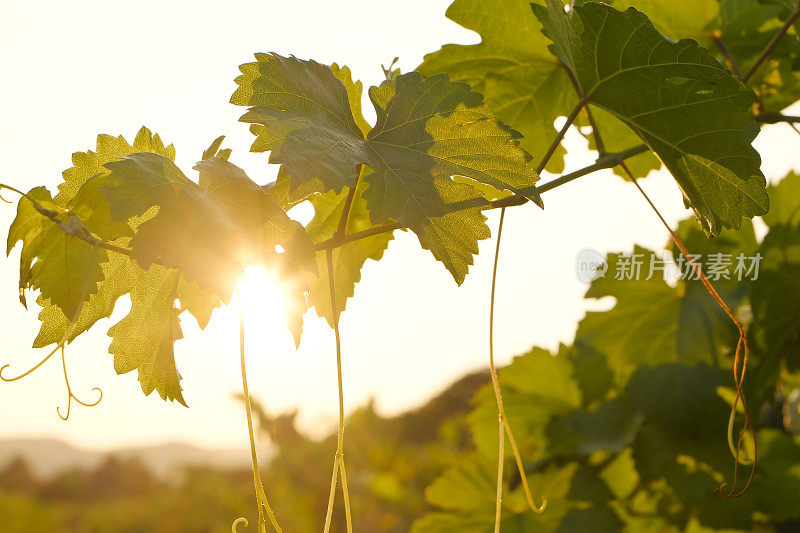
[[48, 457]]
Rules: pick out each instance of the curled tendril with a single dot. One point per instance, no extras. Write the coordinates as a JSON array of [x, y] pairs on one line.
[[61, 346], [740, 360], [240, 520], [6, 201], [505, 427], [70, 395], [29, 371]]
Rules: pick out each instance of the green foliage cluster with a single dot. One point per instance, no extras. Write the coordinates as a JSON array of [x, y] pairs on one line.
[[625, 423]]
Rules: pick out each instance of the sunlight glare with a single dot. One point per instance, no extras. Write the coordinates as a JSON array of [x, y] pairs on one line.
[[264, 299]]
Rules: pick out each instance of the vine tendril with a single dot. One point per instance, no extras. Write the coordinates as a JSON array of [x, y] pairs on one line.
[[70, 395], [740, 360], [338, 461], [261, 497], [240, 520], [499, 399], [62, 344]]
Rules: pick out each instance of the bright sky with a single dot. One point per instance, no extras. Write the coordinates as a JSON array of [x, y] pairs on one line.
[[72, 70]]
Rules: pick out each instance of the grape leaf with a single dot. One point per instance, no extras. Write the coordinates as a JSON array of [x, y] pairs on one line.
[[27, 228], [90, 163], [688, 108], [746, 27], [775, 296], [691, 19], [653, 322], [427, 131], [784, 202], [198, 300], [144, 339], [348, 259], [53, 259], [642, 326], [522, 83], [208, 233], [118, 274], [467, 491], [80, 193]]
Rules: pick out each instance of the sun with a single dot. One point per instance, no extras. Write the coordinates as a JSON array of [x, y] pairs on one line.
[[264, 298]]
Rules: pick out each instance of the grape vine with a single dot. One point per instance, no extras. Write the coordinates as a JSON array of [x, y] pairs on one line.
[[452, 139]]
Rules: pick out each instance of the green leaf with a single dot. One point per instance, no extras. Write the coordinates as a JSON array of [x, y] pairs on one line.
[[80, 192], [427, 131], [53, 260], [747, 27], [199, 301], [109, 148], [784, 202], [468, 487], [27, 227], [118, 274], [256, 213], [467, 493], [301, 114], [779, 462], [522, 83], [144, 339], [208, 233], [611, 427], [775, 297], [675, 96], [546, 378], [688, 19], [643, 325], [591, 370], [597, 518]]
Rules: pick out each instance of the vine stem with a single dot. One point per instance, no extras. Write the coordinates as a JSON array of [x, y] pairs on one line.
[[261, 497], [498, 395], [498, 510], [560, 137], [773, 43], [505, 427], [338, 461], [716, 36], [607, 161]]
